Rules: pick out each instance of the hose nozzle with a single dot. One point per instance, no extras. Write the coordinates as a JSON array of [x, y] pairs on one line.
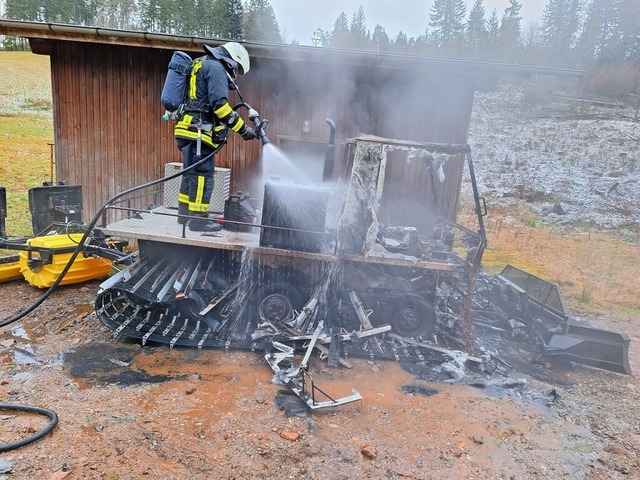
[[260, 125], [263, 137]]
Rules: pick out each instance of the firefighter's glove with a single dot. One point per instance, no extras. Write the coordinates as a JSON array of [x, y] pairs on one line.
[[247, 132]]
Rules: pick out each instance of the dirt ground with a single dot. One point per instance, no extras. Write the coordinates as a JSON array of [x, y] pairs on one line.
[[127, 411]]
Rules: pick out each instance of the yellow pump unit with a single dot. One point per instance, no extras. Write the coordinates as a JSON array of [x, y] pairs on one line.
[[56, 217], [10, 268], [42, 265]]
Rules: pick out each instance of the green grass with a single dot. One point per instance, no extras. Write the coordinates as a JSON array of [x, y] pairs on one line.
[[26, 130], [586, 297]]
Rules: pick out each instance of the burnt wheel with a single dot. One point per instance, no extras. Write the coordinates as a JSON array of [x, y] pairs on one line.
[[276, 302], [411, 316]]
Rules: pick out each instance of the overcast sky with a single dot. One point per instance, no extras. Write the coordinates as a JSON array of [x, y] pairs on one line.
[[299, 18]]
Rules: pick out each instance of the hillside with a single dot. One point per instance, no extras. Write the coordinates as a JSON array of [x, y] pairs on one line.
[[574, 164], [561, 179]]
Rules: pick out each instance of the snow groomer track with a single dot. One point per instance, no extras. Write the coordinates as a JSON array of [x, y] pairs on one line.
[[317, 257]]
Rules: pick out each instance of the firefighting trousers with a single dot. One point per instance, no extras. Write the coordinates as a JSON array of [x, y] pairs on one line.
[[197, 185]]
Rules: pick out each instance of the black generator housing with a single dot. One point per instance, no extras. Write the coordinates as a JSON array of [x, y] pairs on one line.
[[54, 204], [298, 214]]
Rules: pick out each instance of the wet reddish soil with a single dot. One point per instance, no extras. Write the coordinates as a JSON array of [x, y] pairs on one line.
[[127, 411]]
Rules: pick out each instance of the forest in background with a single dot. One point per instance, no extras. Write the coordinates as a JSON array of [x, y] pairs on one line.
[[600, 36]]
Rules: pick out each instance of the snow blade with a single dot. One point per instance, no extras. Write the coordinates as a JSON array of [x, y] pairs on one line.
[[591, 346], [539, 303]]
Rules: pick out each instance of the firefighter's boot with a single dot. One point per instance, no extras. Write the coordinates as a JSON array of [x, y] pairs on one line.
[[203, 224], [183, 209]]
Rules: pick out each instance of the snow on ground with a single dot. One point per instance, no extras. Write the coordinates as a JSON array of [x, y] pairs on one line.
[[572, 164]]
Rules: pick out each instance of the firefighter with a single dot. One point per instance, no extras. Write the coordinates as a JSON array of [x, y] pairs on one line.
[[204, 127]]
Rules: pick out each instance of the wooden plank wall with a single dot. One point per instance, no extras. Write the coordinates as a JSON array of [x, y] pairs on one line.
[[108, 130], [109, 133]]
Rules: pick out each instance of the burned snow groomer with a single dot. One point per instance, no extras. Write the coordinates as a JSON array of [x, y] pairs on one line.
[[366, 266], [360, 255]]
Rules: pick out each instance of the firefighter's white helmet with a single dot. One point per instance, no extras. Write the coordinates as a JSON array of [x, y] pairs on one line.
[[239, 54]]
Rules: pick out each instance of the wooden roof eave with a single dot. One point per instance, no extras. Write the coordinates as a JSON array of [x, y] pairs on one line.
[[465, 67], [72, 33]]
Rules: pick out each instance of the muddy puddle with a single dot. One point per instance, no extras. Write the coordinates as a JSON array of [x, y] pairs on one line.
[[126, 364], [129, 364], [108, 364]]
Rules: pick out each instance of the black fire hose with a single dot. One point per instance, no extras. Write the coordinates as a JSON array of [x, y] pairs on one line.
[[90, 227], [5, 447]]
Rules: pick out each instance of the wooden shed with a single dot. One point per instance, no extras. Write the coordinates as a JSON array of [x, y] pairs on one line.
[[108, 129]]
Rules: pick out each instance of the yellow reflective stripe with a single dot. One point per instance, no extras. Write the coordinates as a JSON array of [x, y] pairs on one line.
[[183, 198], [185, 121], [191, 135], [186, 133], [192, 81], [238, 125], [223, 111], [199, 191], [198, 207]]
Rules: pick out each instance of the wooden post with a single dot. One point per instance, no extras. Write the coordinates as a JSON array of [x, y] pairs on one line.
[[51, 160]]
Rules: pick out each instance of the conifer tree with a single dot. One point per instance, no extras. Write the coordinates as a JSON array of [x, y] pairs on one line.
[[401, 45], [490, 44], [22, 10], [601, 30], [476, 27], [510, 31], [149, 15], [321, 38], [203, 21], [629, 15], [186, 19], [560, 24], [119, 14], [421, 45], [341, 33], [359, 34], [532, 44], [227, 19], [260, 22], [380, 39], [447, 24]]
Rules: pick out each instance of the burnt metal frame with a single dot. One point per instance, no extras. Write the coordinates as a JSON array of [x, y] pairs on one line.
[[294, 377], [431, 147]]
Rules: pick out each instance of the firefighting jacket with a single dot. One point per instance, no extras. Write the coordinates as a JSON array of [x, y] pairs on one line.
[[206, 104]]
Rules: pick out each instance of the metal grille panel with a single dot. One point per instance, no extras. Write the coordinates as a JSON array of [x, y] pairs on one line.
[[221, 187], [544, 293]]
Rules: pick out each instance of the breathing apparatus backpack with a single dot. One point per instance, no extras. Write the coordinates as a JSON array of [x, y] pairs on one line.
[[175, 85]]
